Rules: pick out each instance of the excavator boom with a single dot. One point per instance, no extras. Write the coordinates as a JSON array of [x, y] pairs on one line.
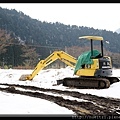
[[61, 55]]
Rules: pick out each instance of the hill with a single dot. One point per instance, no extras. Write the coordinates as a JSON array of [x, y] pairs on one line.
[[31, 40]]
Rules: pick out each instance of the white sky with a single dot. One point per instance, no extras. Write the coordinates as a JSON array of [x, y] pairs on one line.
[[97, 15], [13, 104]]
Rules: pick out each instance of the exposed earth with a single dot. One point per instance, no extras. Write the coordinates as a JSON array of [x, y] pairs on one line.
[[83, 105]]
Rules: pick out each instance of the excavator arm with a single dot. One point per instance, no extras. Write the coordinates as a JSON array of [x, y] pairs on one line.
[[61, 55]]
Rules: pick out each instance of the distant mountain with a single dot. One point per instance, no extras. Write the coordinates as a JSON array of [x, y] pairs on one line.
[[118, 30], [44, 38], [55, 35]]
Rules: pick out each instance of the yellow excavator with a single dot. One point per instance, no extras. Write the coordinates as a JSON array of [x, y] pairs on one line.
[[93, 69]]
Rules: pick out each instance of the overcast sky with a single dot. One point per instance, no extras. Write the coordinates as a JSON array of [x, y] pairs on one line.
[[97, 15]]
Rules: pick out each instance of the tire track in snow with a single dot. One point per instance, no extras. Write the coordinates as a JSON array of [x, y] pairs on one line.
[[86, 105]]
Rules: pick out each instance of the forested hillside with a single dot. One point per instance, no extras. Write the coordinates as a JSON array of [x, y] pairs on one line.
[[25, 41]]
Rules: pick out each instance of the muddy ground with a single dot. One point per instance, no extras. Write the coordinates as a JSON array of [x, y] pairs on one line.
[[88, 106]]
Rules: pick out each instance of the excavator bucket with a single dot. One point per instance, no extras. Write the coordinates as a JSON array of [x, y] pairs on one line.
[[24, 77]]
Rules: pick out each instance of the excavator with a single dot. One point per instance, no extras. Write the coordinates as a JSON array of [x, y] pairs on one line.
[[92, 68]]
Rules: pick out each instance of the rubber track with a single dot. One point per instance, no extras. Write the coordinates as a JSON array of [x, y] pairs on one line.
[[85, 82]]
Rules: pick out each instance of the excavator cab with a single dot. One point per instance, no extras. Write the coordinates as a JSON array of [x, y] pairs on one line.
[[94, 61]]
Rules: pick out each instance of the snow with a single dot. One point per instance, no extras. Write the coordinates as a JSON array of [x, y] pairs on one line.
[[20, 104], [15, 104]]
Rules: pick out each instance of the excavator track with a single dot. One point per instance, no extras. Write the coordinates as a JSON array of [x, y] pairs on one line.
[[87, 82]]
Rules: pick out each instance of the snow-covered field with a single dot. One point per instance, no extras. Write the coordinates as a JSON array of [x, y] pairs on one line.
[[20, 104]]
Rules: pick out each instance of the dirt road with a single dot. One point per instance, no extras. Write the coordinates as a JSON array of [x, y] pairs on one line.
[[81, 105]]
